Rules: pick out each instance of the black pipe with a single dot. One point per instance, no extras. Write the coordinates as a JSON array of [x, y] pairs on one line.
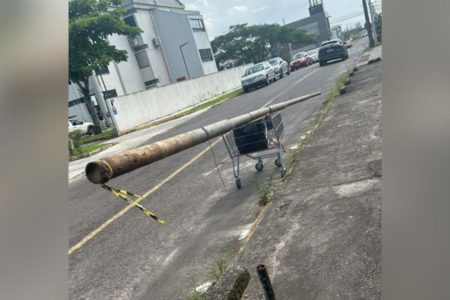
[[265, 282]]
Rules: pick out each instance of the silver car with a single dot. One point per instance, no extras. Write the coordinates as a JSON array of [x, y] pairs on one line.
[[314, 55], [260, 74], [281, 66]]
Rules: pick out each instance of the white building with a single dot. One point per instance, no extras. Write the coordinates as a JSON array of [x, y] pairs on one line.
[[173, 46]]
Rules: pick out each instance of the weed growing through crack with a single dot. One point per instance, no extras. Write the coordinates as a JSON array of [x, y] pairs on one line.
[[219, 268], [334, 92], [266, 192], [196, 296]]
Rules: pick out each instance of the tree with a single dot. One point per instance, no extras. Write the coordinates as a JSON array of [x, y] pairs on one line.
[[90, 23], [255, 43]]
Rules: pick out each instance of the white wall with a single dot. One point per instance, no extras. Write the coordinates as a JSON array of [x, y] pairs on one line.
[[202, 41], [129, 70], [157, 61], [81, 112], [74, 92], [139, 108]]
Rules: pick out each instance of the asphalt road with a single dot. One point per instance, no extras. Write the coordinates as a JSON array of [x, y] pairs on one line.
[[133, 257]]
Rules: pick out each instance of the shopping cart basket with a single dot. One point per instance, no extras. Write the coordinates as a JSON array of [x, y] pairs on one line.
[[258, 140]]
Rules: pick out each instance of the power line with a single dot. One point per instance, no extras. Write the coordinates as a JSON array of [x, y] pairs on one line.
[[352, 17], [349, 24], [349, 14]]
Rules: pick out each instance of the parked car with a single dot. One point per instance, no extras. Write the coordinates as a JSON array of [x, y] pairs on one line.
[[280, 66], [348, 44], [300, 60], [260, 74], [332, 49], [84, 127], [314, 55]]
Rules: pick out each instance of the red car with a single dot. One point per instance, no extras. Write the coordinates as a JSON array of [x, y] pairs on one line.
[[299, 60]]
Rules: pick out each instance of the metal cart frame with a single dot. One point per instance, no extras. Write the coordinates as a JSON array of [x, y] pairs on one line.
[[273, 128]]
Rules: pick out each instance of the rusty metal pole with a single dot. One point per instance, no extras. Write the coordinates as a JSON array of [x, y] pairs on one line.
[[101, 171], [265, 282]]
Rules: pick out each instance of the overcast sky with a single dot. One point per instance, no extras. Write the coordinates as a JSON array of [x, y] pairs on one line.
[[219, 15]]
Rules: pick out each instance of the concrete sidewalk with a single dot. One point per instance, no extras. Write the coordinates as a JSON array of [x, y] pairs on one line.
[[320, 237], [371, 55]]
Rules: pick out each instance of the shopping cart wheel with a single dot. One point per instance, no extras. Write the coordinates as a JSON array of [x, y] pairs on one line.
[[238, 183], [259, 166], [278, 163]]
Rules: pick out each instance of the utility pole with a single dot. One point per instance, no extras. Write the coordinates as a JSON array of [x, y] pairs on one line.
[[101, 171], [368, 27], [373, 16]]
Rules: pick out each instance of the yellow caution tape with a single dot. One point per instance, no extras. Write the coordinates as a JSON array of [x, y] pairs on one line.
[[125, 195]]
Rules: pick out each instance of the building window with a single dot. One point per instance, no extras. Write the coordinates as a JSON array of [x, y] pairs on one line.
[[109, 94], [206, 55], [142, 59], [130, 20], [197, 24], [152, 83], [102, 70]]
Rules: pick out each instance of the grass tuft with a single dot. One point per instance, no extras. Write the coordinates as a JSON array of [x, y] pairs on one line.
[[219, 268], [105, 135], [89, 150], [196, 296], [266, 192]]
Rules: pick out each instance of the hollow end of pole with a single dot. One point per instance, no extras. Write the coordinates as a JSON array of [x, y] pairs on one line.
[[261, 268], [98, 172]]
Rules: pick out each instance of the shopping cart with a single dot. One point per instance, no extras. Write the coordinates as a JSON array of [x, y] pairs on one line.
[[258, 140]]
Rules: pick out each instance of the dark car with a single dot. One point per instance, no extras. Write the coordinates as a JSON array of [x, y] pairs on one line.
[[333, 49]]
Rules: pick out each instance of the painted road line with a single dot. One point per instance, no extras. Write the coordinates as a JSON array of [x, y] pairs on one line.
[[163, 182], [127, 208], [285, 91], [306, 76]]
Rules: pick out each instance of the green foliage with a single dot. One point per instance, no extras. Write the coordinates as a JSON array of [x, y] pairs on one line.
[[334, 91], [196, 296], [378, 26], [266, 192], [105, 135], [220, 266], [356, 36], [85, 151], [90, 23], [256, 43]]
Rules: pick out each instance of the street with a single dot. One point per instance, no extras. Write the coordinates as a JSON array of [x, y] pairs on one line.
[[117, 254]]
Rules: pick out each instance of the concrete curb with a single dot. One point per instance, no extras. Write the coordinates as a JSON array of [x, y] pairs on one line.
[[231, 285]]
